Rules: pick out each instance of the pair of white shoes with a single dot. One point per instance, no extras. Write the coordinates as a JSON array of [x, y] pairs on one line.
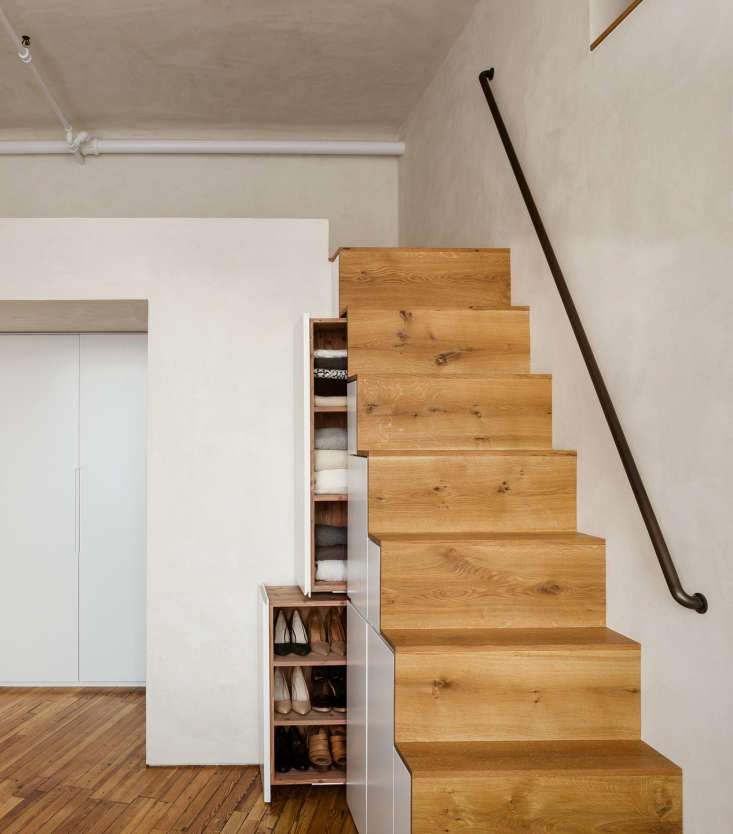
[[295, 697]]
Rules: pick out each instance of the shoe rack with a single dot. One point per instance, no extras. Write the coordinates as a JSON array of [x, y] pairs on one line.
[[274, 599], [329, 509]]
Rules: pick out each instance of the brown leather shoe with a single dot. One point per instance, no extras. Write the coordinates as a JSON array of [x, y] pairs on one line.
[[317, 633], [318, 748], [336, 633], [337, 737]]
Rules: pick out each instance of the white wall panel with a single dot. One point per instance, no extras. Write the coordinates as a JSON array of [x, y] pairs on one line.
[[356, 727], [112, 483], [38, 458], [380, 734]]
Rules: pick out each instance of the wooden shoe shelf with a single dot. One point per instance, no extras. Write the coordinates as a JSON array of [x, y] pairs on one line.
[[328, 334], [272, 600]]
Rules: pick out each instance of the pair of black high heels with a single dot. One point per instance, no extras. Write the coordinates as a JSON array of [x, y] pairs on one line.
[[290, 635], [328, 688], [291, 750]]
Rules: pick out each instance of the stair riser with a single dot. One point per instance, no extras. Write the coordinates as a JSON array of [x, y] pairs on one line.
[[428, 277], [472, 493], [499, 584], [578, 804], [438, 342], [519, 695], [508, 412]]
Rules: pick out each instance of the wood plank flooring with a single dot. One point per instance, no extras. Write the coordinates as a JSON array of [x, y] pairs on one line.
[[73, 761]]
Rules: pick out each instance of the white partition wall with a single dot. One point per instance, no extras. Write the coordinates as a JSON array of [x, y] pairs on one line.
[[39, 387]]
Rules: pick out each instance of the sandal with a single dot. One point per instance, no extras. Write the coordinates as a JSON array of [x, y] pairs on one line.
[[319, 751], [338, 746]]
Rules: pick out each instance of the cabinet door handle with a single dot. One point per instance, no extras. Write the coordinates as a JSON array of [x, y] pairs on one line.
[[77, 508]]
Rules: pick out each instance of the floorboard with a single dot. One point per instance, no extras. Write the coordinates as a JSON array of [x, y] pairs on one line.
[[72, 761]]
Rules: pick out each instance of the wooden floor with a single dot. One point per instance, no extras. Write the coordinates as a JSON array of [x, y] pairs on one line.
[[73, 761]]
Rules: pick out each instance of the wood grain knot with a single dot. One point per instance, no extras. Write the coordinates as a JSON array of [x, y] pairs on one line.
[[438, 685], [449, 356], [504, 487], [405, 315]]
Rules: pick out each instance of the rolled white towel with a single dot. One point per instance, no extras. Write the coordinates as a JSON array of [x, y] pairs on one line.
[[321, 401], [329, 459], [331, 571], [323, 353], [331, 481]]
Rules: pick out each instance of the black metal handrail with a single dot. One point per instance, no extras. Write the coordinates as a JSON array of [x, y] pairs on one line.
[[695, 601]]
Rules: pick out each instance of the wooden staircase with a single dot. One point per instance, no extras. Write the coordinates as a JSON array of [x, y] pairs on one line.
[[516, 709]]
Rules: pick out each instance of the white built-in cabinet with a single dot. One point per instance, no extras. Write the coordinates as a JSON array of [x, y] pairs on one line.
[[72, 508], [378, 783]]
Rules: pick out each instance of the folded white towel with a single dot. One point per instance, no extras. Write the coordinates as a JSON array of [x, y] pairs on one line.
[[318, 400], [333, 437], [331, 481], [329, 459], [331, 571], [322, 353]]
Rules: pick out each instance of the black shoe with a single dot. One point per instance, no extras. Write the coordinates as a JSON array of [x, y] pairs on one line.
[[283, 641], [298, 750], [337, 679], [283, 755], [299, 642], [322, 691]]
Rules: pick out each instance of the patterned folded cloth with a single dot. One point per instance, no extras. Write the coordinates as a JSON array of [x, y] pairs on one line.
[[323, 402], [329, 459], [323, 353], [331, 481], [335, 551], [331, 438], [331, 571], [330, 373], [328, 534]]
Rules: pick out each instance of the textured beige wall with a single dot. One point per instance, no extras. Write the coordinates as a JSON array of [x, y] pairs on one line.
[[629, 152], [358, 195]]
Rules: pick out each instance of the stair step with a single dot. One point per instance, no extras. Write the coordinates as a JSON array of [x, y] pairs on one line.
[[477, 491], [573, 787], [502, 581], [395, 277], [515, 684], [399, 411], [409, 340]]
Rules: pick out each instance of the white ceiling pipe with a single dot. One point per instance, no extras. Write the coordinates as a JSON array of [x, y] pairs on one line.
[[267, 147]]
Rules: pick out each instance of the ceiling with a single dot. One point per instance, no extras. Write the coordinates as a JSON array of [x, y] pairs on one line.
[[214, 68]]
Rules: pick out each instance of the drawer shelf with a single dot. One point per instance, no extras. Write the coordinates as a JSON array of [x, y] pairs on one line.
[[310, 777], [311, 719]]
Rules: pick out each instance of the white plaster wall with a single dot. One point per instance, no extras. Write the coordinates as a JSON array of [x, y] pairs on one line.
[[629, 151], [358, 195], [224, 296]]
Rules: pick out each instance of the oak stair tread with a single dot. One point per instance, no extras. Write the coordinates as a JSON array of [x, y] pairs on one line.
[[454, 640], [485, 759], [561, 537], [464, 453]]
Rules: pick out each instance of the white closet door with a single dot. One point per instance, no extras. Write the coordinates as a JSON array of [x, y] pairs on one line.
[[39, 390], [112, 507]]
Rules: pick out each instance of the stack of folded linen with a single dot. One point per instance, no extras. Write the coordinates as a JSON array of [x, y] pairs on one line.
[[330, 461], [329, 371], [330, 553]]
